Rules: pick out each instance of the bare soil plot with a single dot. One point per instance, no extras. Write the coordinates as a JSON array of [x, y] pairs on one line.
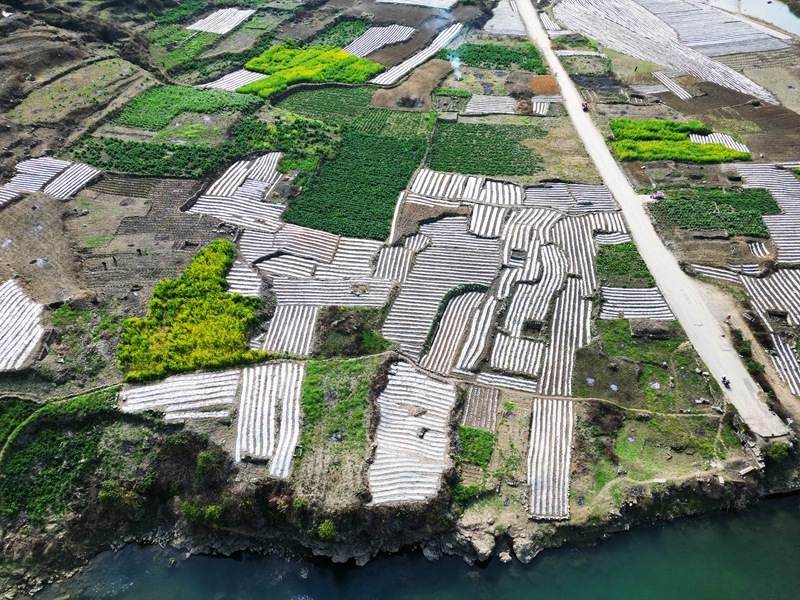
[[34, 246], [415, 92]]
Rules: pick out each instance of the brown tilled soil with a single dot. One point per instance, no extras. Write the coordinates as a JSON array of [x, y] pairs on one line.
[[154, 243], [413, 214], [545, 85], [35, 248], [415, 92]]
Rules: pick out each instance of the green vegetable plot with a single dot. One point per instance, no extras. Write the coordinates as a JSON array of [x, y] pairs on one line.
[[480, 149], [654, 139], [341, 34], [355, 193], [738, 211], [524, 57], [155, 108], [289, 64]]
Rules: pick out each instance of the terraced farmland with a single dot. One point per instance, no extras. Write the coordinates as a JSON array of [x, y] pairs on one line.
[[407, 467], [549, 458]]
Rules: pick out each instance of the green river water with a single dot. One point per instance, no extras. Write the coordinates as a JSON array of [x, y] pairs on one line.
[[749, 555]]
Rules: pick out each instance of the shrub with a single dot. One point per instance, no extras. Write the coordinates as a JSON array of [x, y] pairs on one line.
[[327, 531], [116, 497], [288, 64], [477, 445], [754, 367], [184, 9], [208, 516], [191, 323], [776, 452]]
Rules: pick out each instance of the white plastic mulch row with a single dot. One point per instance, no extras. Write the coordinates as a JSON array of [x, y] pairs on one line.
[[570, 330], [269, 415], [182, 395], [785, 188], [59, 178], [448, 186], [548, 23], [627, 27], [540, 109], [395, 73], [580, 53], [233, 81], [673, 87], [235, 197], [353, 258], [490, 105], [480, 408], [21, 327], [333, 292], [785, 363], [452, 327], [487, 220], [70, 181], [716, 273], [409, 467], [375, 38], [477, 337], [454, 258], [291, 330], [549, 458], [222, 21], [758, 249], [517, 355], [505, 20], [635, 303], [243, 280], [517, 384], [612, 238], [7, 195], [443, 4], [571, 197], [718, 138], [713, 32], [394, 263], [531, 302], [778, 292]]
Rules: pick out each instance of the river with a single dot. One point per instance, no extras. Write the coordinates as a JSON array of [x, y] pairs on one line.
[[752, 554], [774, 12]]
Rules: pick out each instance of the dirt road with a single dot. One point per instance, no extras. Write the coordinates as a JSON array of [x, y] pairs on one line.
[[702, 326]]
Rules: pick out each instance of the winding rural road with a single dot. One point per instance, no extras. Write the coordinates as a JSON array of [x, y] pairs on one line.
[[704, 329]]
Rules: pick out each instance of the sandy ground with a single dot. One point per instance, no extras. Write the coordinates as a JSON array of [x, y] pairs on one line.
[[681, 292]]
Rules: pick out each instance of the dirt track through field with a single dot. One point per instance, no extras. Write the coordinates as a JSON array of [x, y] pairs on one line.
[[703, 328]]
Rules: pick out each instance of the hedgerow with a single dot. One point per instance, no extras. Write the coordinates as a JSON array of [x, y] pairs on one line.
[[485, 149], [355, 193], [288, 64], [191, 323], [738, 211], [524, 57], [621, 265], [156, 107], [653, 139]]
